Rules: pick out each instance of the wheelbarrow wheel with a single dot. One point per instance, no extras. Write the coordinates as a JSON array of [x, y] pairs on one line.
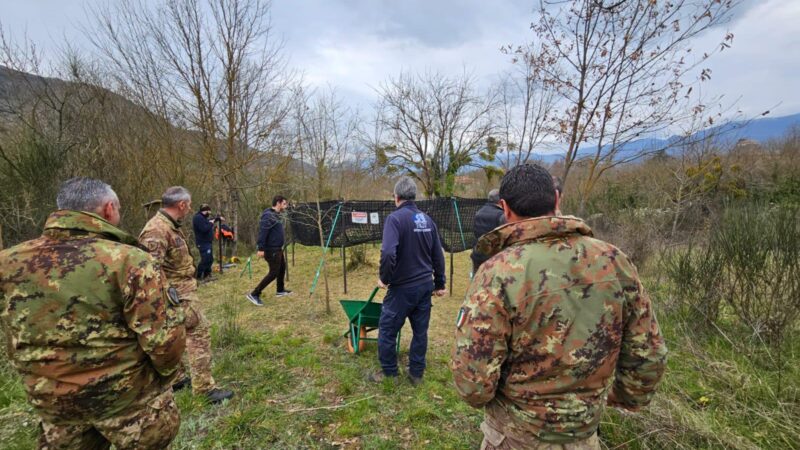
[[362, 333]]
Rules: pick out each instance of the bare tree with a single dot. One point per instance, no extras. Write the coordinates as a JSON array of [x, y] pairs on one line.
[[326, 140], [527, 104], [212, 67], [434, 127], [621, 70]]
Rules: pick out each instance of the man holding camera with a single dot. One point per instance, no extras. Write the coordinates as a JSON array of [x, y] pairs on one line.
[[203, 225]]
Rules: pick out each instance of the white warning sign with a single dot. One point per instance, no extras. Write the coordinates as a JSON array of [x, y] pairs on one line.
[[359, 217], [374, 218]]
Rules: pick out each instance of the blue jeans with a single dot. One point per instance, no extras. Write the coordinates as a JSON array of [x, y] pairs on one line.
[[206, 261], [414, 303]]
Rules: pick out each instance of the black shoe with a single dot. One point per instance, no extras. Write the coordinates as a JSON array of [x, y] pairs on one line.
[[216, 396], [283, 293], [255, 299], [182, 383], [415, 381]]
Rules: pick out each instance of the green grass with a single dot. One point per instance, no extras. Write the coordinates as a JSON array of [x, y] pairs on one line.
[[297, 387]]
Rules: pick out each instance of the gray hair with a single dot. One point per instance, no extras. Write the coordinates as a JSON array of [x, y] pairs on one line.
[[494, 195], [84, 194], [405, 189], [175, 194]]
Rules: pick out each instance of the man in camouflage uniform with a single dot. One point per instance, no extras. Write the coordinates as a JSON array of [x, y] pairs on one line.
[[554, 326], [90, 329], [163, 238]]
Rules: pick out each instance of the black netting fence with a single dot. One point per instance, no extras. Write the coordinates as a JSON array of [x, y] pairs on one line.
[[362, 221]]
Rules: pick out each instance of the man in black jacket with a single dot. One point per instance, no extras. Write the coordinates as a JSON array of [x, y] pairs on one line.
[[489, 217], [412, 267], [203, 225], [270, 247]]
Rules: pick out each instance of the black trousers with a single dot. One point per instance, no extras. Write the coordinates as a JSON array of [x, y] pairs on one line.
[[277, 270], [206, 261]]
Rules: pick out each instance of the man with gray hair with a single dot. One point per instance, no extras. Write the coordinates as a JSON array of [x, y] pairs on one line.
[[488, 217], [89, 328], [164, 239], [412, 268]]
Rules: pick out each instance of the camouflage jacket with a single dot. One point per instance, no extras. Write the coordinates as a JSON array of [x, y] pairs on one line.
[[86, 319], [163, 238], [554, 326]]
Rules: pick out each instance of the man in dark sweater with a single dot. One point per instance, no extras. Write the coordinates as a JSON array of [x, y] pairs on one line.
[[412, 268], [203, 225], [270, 247], [489, 217]]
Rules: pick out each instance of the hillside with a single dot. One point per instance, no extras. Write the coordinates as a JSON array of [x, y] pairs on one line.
[[759, 130]]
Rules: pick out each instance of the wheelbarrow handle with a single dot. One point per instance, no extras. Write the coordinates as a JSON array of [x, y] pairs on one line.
[[369, 300], [374, 291]]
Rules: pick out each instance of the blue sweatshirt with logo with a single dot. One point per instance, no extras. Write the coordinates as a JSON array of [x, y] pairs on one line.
[[411, 252]]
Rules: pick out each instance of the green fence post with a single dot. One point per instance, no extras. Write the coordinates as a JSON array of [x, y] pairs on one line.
[[325, 250]]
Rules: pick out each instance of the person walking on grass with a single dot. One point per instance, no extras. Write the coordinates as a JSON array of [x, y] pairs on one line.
[[411, 268], [555, 326], [270, 247]]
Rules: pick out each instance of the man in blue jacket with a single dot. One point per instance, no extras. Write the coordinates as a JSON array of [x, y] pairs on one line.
[[412, 268], [270, 247], [203, 225]]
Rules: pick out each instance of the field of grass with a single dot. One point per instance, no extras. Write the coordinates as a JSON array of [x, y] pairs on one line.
[[297, 387]]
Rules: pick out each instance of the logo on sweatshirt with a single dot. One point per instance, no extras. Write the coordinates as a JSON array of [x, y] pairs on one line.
[[421, 222]]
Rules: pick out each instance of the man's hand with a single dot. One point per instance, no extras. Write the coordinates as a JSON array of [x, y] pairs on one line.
[[381, 285], [440, 292], [260, 253]]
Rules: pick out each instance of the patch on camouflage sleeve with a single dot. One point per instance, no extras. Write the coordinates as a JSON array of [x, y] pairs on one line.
[[462, 316]]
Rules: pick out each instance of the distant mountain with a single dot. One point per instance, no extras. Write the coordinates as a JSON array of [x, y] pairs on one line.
[[725, 135]]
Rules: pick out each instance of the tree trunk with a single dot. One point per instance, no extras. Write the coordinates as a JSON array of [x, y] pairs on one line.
[[234, 223], [678, 207]]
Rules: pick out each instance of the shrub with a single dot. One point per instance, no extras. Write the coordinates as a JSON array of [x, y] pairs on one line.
[[761, 281], [357, 257], [695, 273], [750, 262]]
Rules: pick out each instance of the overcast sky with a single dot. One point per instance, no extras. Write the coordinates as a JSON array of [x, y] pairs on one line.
[[353, 45]]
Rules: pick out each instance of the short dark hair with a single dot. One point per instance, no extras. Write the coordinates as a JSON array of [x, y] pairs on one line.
[[529, 191], [277, 199]]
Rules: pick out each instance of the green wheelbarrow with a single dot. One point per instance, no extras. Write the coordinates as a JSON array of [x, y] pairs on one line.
[[363, 317]]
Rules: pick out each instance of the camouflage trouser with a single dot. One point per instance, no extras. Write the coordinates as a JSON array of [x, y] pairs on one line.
[[198, 348], [495, 440], [151, 426]]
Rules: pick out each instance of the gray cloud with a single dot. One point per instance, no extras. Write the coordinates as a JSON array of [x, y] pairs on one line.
[[354, 45]]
